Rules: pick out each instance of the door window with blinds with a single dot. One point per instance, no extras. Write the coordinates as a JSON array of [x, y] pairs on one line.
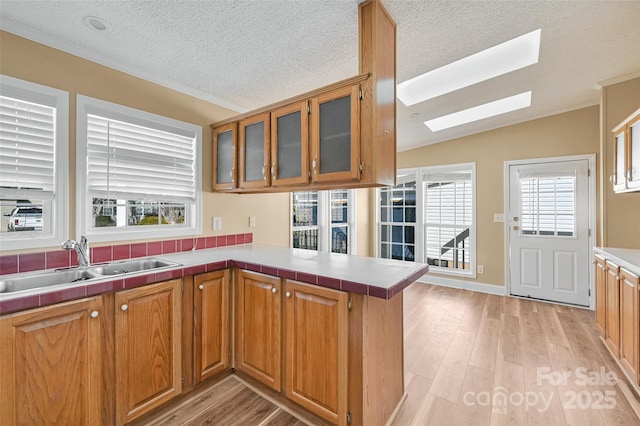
[[33, 164], [139, 173], [322, 220], [548, 204], [429, 217]]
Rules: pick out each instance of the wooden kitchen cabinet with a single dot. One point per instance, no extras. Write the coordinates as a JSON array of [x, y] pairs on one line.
[[612, 331], [290, 144], [225, 142], [211, 324], [601, 293], [626, 155], [317, 327], [255, 151], [630, 323], [335, 135], [259, 327], [147, 348], [52, 365]]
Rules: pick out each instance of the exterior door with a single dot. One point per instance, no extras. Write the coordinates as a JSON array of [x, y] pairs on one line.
[[549, 231]]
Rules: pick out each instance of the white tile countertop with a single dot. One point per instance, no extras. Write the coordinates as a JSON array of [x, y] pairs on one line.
[[382, 278], [626, 258]]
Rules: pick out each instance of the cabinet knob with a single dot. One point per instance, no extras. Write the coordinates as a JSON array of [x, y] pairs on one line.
[[288, 294], [94, 314], [201, 286], [264, 169], [314, 164], [231, 175], [274, 290], [273, 170], [124, 307]]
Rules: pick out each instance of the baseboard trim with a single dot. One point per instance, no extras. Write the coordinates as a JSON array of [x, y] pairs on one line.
[[464, 285]]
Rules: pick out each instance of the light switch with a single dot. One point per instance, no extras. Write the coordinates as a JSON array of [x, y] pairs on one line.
[[498, 217]]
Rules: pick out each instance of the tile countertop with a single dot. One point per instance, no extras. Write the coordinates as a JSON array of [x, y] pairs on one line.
[[382, 278], [626, 258]]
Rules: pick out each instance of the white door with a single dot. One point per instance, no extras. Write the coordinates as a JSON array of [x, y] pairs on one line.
[[549, 231]]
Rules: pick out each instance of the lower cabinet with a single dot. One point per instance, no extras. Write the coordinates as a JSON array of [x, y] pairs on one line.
[[147, 348], [211, 324], [259, 327], [51, 365], [612, 331], [315, 341], [629, 323], [317, 349]]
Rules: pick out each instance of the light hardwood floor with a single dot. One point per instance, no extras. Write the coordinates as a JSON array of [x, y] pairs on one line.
[[470, 359], [478, 359]]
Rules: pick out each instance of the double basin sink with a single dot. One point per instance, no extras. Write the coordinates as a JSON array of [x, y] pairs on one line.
[[62, 277]]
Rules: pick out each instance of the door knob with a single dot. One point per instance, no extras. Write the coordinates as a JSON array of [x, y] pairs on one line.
[[515, 228]]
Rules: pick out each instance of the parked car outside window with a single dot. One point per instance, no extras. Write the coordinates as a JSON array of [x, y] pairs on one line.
[[25, 219]]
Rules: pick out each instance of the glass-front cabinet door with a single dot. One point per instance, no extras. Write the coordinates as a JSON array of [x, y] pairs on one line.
[[224, 157], [289, 145], [254, 144], [335, 135], [633, 176]]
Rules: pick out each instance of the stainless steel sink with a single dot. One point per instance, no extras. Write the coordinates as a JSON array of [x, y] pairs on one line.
[[48, 279], [130, 266], [66, 277]]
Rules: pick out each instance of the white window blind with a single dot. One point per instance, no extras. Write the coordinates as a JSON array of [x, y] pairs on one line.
[[27, 148], [125, 160]]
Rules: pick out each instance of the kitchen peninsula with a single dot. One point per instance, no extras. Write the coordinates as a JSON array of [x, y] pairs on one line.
[[324, 330]]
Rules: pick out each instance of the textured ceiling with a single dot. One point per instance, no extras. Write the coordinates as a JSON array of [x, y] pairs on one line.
[[246, 54]]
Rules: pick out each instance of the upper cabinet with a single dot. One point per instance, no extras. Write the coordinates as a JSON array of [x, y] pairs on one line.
[[339, 136], [626, 155], [225, 142]]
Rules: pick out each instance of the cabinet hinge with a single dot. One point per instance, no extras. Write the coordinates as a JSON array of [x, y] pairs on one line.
[[349, 418], [361, 94], [183, 380], [182, 287], [349, 304], [308, 108], [361, 168]]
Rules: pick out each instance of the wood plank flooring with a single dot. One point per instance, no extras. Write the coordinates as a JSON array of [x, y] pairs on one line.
[[470, 359], [478, 359]]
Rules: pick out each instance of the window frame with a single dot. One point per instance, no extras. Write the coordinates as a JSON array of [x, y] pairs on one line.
[[406, 175], [324, 225], [193, 225], [55, 209]]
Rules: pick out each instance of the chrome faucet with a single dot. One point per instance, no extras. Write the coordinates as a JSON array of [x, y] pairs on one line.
[[81, 248]]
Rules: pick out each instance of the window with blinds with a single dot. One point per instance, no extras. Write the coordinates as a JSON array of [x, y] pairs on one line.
[[140, 171], [33, 163], [322, 220], [429, 217], [548, 205]]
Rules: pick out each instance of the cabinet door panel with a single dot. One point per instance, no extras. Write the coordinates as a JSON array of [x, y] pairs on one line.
[[317, 327], [289, 145], [601, 291], [254, 151], [211, 323], [224, 157], [336, 135], [629, 322], [613, 308], [51, 365], [148, 343], [259, 328]]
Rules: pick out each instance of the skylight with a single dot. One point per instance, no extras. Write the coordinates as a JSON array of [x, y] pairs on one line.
[[501, 106], [495, 61]]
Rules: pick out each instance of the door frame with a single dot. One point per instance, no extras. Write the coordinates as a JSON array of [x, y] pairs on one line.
[[591, 158]]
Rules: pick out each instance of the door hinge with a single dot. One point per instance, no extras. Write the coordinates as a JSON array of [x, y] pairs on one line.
[[588, 172], [349, 417], [589, 231], [349, 304], [589, 291], [361, 168], [361, 94]]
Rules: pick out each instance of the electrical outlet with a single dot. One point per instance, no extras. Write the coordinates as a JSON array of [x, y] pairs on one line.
[[217, 223], [481, 269], [498, 217], [252, 221]]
